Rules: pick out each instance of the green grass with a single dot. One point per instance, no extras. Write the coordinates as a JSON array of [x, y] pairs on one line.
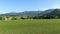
[[37, 26]]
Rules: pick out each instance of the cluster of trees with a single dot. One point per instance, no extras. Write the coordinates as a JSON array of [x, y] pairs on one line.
[[7, 18], [29, 17], [41, 17]]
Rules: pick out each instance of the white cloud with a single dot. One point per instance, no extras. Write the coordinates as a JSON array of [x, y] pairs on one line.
[[56, 6], [41, 9], [44, 9]]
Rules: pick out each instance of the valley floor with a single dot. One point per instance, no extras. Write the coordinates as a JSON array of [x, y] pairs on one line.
[[35, 26]]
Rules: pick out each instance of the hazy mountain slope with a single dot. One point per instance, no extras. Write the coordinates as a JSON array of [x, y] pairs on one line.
[[51, 12], [25, 13], [46, 11], [56, 12]]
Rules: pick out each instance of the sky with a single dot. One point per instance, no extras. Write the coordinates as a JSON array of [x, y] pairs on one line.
[[7, 6]]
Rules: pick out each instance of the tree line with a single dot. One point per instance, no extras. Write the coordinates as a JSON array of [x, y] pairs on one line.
[[41, 17], [28, 17]]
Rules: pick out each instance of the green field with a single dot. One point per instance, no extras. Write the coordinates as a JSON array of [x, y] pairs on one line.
[[36, 26]]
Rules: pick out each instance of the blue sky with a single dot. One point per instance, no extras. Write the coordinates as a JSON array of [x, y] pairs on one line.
[[27, 5]]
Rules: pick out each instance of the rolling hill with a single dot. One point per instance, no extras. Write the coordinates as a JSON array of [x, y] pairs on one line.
[[25, 13], [49, 12]]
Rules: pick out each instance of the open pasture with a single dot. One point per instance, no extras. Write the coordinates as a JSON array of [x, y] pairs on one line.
[[27, 26]]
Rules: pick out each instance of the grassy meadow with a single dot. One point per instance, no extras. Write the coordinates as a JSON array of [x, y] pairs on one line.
[[27, 26]]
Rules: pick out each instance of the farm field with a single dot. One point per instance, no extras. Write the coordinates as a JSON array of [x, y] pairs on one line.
[[27, 26]]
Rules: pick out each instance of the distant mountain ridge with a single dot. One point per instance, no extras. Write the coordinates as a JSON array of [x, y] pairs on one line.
[[25, 13], [49, 12]]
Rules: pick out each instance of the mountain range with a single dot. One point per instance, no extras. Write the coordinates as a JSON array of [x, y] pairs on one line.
[[25, 13], [49, 12]]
